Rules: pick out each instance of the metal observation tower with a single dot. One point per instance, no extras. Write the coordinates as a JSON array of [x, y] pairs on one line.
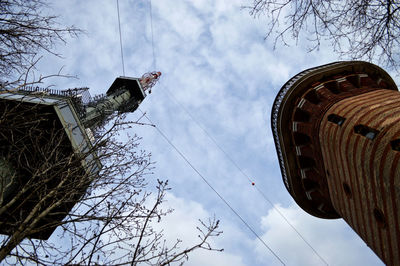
[[74, 113]]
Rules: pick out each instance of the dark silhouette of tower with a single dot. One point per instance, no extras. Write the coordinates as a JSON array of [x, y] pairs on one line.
[[337, 133], [65, 122]]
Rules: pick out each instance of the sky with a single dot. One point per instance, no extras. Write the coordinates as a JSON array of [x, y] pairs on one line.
[[219, 80]]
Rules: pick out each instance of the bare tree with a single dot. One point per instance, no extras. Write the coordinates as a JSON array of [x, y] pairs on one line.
[[357, 29], [104, 217], [26, 29], [56, 206]]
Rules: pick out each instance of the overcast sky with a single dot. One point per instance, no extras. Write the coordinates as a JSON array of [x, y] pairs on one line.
[[217, 72]]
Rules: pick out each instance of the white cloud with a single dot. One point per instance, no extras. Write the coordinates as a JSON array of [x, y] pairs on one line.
[[215, 62], [182, 223], [329, 238]]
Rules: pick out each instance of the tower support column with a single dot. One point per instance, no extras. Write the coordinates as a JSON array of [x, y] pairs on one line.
[[337, 134], [362, 163]]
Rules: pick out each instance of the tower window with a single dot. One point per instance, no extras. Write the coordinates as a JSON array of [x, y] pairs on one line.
[[380, 218], [365, 131], [306, 162], [310, 184], [332, 86], [354, 80], [395, 144], [301, 139], [336, 119], [347, 189], [312, 97], [301, 116]]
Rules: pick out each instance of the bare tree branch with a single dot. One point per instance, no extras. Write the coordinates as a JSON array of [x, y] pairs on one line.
[[98, 217], [25, 31], [357, 29], [112, 215]]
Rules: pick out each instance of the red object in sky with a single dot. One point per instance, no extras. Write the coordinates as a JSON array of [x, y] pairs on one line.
[[148, 80]]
